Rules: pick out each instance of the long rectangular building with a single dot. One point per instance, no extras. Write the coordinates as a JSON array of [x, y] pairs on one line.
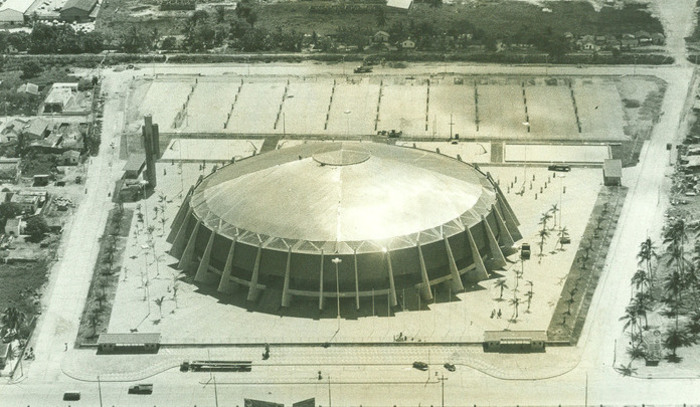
[[15, 11]]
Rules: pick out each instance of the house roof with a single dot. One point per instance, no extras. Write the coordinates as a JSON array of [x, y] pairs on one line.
[[59, 95], [18, 5], [612, 168], [405, 4], [490, 336], [129, 338], [85, 5], [37, 127]]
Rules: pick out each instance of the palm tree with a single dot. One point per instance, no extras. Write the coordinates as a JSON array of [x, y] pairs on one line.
[[545, 218], [515, 302], [553, 210], [674, 237], [159, 303], [528, 296], [543, 235], [563, 236], [641, 307], [675, 338], [673, 287], [639, 280], [12, 321], [647, 252], [627, 370], [94, 319], [631, 319], [502, 284], [100, 297]]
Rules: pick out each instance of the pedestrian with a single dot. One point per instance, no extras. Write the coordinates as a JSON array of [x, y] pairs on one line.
[[499, 313], [65, 346], [493, 313]]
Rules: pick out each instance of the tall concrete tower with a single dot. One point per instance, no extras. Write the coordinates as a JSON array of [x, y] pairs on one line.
[[152, 149]]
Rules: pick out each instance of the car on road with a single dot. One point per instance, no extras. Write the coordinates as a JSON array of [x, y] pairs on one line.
[[525, 251], [559, 167], [450, 367], [141, 389], [71, 396], [420, 366]]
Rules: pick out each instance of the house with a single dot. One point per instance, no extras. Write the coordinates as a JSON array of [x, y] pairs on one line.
[[78, 10], [403, 4], [59, 96], [408, 44], [600, 39], [569, 36], [658, 39], [15, 227], [9, 169], [38, 129], [628, 41], [30, 88], [15, 11], [380, 36], [71, 157], [30, 200], [612, 172], [514, 341]]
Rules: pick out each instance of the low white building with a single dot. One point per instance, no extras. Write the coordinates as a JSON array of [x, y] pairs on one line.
[[15, 11]]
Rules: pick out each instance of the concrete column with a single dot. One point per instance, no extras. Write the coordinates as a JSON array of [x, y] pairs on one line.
[[496, 254], [188, 254], [286, 297], [504, 237], [392, 287], [357, 283], [204, 262], [454, 271], [320, 288], [180, 241], [253, 289], [481, 273], [426, 293], [510, 222], [179, 218], [225, 282]]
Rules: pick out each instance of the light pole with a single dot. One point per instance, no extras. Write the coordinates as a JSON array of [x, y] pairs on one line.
[[337, 261], [347, 122], [179, 151], [442, 383], [561, 192]]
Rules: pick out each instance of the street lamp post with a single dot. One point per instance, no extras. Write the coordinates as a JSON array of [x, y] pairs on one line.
[[337, 261], [347, 122]]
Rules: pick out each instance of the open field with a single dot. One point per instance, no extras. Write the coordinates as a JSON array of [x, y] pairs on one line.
[[185, 316], [348, 106]]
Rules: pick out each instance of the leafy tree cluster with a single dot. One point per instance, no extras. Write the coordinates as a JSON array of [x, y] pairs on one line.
[[63, 39]]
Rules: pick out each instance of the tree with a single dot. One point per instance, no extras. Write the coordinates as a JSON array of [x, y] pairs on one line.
[[12, 321], [543, 235], [515, 302], [94, 318], [528, 296], [159, 303], [553, 210], [640, 280], [8, 210], [501, 284], [381, 17], [641, 307], [627, 370], [100, 297], [30, 69], [36, 228], [674, 339], [545, 218], [563, 237], [647, 252]]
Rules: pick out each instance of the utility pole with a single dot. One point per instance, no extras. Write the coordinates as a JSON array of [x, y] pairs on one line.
[[585, 400], [442, 383], [451, 124], [216, 393], [330, 404], [99, 389]]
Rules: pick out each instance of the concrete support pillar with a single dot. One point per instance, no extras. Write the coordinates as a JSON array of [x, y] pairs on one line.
[[481, 273], [510, 221], [504, 237], [457, 285], [425, 292], [181, 237], [253, 289], [286, 296], [496, 254], [179, 218], [204, 262], [225, 282], [357, 283], [188, 255], [320, 288], [392, 287]]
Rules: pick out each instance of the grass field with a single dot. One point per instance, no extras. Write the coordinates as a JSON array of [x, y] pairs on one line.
[[306, 106], [164, 100], [550, 110], [454, 100], [403, 108]]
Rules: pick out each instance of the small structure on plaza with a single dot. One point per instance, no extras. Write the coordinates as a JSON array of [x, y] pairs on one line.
[[128, 343], [515, 341], [612, 172], [354, 220]]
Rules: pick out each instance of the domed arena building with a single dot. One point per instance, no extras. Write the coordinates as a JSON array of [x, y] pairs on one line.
[[310, 222]]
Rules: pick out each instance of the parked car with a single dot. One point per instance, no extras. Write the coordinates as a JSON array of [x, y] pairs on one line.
[[420, 366], [525, 251], [71, 396], [450, 367], [141, 389], [559, 167]]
